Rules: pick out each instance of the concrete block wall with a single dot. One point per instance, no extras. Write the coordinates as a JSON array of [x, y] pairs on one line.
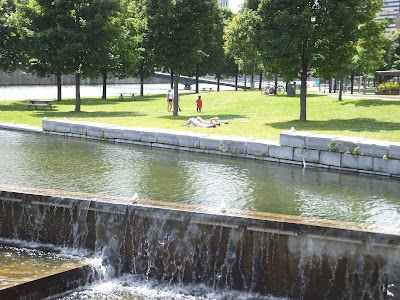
[[351, 154]]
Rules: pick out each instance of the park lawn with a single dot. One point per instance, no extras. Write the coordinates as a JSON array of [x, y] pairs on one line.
[[250, 114]]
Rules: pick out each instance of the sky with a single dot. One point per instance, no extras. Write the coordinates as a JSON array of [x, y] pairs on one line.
[[234, 4]]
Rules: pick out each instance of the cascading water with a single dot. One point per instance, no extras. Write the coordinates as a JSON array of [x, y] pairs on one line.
[[178, 247]]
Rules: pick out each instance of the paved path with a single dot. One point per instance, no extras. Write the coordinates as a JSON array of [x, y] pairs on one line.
[[363, 96]]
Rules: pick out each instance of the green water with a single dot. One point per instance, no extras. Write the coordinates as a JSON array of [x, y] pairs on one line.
[[19, 264], [55, 162]]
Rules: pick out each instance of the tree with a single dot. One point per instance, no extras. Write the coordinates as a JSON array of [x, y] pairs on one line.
[[117, 53], [297, 32], [238, 41], [178, 30], [11, 47]]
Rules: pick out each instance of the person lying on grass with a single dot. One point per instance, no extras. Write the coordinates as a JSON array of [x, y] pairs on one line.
[[199, 122]]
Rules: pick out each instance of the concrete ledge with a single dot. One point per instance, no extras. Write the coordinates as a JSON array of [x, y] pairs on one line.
[[48, 125], [133, 134], [235, 144], [113, 133], [211, 142], [390, 166], [259, 147], [79, 128], [149, 135], [357, 162], [347, 143], [309, 155], [315, 146], [374, 148], [294, 138], [62, 126], [168, 137], [281, 152], [191, 140], [330, 158], [394, 150], [320, 141]]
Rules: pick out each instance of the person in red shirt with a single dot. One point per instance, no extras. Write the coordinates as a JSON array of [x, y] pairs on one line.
[[199, 104]]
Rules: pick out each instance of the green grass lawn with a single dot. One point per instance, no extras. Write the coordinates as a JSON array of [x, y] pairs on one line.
[[250, 114]]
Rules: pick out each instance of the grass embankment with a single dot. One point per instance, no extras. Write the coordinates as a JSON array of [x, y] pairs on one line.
[[250, 114]]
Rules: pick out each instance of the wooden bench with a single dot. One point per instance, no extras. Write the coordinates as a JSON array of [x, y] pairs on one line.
[[123, 96]]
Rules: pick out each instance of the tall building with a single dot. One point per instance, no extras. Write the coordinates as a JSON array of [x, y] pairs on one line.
[[223, 3], [391, 9]]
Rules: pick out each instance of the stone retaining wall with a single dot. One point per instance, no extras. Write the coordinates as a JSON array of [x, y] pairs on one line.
[[286, 256], [356, 154]]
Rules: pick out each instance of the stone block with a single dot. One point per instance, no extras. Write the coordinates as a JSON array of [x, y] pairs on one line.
[[259, 147], [394, 150], [357, 162], [330, 158], [293, 138], [211, 142], [319, 141], [113, 132], [168, 137], [235, 144], [132, 134], [281, 152], [78, 128], [149, 135], [389, 166], [62, 126], [191, 140], [309, 155], [95, 130], [48, 125], [345, 143], [375, 148]]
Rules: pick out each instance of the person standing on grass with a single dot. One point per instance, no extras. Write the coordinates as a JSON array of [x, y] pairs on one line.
[[170, 98], [199, 104]]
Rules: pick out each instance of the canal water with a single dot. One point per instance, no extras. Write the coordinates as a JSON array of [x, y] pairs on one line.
[[53, 162]]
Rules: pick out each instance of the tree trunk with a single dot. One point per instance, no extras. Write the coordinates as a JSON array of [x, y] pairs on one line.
[[365, 83], [141, 86], [252, 82], [218, 84], [197, 84], [176, 95], [59, 83], [245, 75], [303, 90], [260, 83], [104, 87], [77, 91], [276, 83], [341, 86], [236, 82], [330, 85], [352, 82]]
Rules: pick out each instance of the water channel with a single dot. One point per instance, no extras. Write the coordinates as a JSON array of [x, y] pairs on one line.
[[53, 162]]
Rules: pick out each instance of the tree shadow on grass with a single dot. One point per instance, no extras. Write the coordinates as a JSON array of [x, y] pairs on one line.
[[356, 125], [370, 102], [82, 114], [222, 117]]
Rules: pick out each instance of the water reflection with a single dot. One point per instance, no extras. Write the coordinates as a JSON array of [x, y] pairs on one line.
[[96, 167]]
